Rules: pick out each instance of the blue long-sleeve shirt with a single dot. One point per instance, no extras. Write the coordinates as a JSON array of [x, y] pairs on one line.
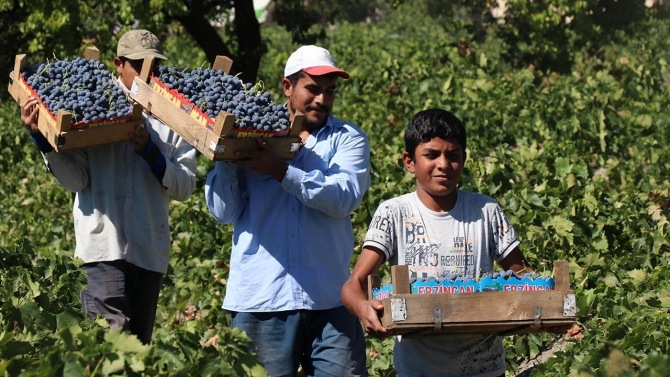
[[293, 241]]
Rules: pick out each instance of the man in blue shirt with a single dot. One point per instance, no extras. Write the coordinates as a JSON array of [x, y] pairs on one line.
[[293, 238]]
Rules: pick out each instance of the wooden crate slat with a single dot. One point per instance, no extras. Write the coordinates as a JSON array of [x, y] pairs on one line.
[[64, 121], [224, 124], [147, 64], [92, 53], [479, 307], [281, 145], [501, 328], [400, 279], [16, 90], [213, 142], [88, 137], [157, 105], [561, 275], [222, 63], [374, 282], [296, 124]]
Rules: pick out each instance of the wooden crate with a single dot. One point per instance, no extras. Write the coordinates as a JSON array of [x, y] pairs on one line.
[[57, 129], [505, 313], [217, 142]]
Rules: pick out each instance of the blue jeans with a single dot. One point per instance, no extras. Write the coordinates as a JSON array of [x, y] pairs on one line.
[[124, 294], [324, 342]]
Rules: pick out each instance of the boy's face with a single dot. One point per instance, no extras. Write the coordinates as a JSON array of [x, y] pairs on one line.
[[437, 166]]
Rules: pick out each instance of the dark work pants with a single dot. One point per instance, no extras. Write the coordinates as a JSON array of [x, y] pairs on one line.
[[124, 294]]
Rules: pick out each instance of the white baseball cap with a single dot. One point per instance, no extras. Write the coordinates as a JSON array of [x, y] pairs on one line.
[[313, 60]]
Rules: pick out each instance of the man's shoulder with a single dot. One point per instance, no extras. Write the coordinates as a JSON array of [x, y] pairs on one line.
[[347, 127]]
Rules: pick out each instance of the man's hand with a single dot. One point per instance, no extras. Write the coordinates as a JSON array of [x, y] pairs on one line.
[[29, 112], [138, 139], [264, 162]]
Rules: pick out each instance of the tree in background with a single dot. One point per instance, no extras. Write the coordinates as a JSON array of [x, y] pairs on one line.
[[63, 28], [547, 34]]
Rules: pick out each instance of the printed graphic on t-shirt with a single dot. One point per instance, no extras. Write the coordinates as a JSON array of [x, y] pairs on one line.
[[427, 255], [461, 243]]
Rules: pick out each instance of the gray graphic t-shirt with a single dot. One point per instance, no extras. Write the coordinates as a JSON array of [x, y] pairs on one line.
[[464, 242]]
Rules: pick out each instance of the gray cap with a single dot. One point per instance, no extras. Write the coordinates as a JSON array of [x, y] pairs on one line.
[[137, 44]]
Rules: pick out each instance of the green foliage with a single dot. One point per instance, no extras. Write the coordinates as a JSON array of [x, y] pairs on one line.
[[63, 27], [576, 157], [550, 35], [307, 22], [43, 332], [31, 196]]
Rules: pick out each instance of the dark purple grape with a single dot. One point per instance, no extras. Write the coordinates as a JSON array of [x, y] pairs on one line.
[[214, 91], [82, 87]]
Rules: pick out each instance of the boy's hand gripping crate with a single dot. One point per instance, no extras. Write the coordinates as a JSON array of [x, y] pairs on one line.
[[505, 313], [57, 128], [217, 141]]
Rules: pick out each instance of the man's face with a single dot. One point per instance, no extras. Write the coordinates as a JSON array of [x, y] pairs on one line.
[[313, 96], [128, 70]]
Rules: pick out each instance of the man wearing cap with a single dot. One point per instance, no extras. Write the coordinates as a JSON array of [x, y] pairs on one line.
[[292, 236], [121, 203]]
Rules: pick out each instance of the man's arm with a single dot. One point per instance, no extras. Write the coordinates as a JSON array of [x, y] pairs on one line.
[[69, 168], [180, 169], [222, 193], [336, 192], [171, 159]]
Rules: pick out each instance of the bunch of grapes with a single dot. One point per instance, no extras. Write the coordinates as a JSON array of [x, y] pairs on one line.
[[80, 86], [213, 91]]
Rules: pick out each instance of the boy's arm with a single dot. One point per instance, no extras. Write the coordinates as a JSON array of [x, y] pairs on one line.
[[515, 261], [354, 292]]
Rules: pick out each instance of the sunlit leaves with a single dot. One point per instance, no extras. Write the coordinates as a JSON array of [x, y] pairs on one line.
[[578, 161]]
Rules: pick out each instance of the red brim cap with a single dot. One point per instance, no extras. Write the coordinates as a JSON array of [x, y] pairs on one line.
[[324, 70]]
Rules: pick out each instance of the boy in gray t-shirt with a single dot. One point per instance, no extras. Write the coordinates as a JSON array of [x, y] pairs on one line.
[[437, 230]]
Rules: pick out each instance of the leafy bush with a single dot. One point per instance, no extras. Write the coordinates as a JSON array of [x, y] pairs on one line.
[[576, 158]]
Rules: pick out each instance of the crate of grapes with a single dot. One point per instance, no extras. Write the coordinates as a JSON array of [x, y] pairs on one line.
[[79, 103], [503, 303], [215, 112]]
